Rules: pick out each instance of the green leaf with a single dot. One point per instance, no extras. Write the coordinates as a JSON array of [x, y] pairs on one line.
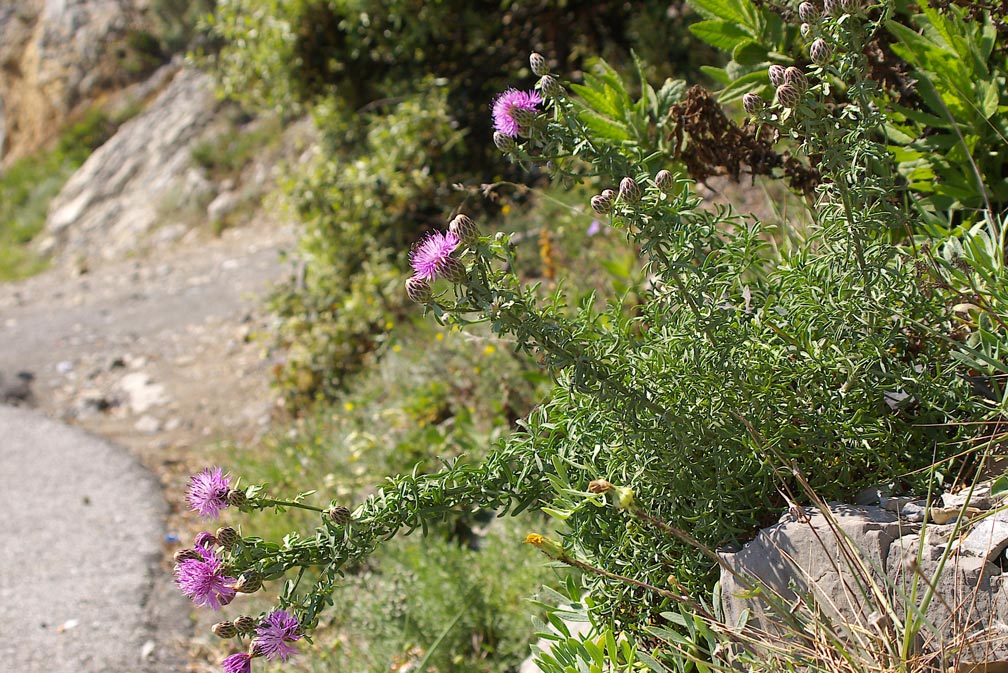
[[750, 52], [754, 81], [1000, 485], [596, 99], [604, 127], [728, 10], [719, 75], [721, 35]]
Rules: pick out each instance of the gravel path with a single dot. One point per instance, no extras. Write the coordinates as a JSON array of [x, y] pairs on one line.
[[81, 582]]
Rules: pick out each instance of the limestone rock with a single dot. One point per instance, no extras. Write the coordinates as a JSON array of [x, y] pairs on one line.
[[115, 199]]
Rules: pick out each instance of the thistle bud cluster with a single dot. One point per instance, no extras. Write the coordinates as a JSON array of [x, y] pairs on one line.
[[504, 142], [664, 181], [602, 203], [227, 537], [629, 190], [549, 86], [820, 52], [248, 583], [236, 497], [466, 230], [753, 103], [418, 289], [776, 73]]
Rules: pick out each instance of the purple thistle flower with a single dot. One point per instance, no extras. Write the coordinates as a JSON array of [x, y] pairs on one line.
[[276, 632], [201, 579], [504, 108], [430, 257], [237, 663], [594, 228], [204, 539], [207, 492]]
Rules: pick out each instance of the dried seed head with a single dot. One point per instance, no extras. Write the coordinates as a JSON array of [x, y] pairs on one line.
[[602, 203], [753, 103], [227, 536], [820, 52], [796, 78], [245, 624], [776, 73], [664, 180], [600, 486], [418, 289], [236, 497], [504, 142], [466, 230], [224, 630], [538, 63], [788, 96], [549, 86], [808, 12], [248, 583], [339, 514], [629, 190]]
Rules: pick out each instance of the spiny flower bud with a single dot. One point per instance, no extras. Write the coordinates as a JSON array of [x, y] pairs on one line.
[[664, 180], [248, 583], [504, 142], [796, 78], [227, 536], [549, 86], [339, 514], [599, 486], [820, 52], [186, 555], [256, 648], [788, 96], [776, 73], [245, 624], [466, 230], [753, 103], [551, 548], [418, 289], [629, 190], [602, 203], [808, 12], [538, 63], [805, 29], [236, 497], [224, 630]]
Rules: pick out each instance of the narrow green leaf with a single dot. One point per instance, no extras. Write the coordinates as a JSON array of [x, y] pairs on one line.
[[721, 35]]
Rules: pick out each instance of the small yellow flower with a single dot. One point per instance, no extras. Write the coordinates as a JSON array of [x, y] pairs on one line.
[[396, 348], [389, 325], [505, 209], [349, 406], [551, 548], [476, 370], [489, 350], [440, 336]]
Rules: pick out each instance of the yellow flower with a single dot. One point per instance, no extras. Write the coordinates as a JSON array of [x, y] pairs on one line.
[[440, 336], [349, 406], [489, 350], [505, 209], [389, 325], [396, 348]]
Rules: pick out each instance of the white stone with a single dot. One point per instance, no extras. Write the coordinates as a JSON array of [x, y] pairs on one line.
[[141, 392]]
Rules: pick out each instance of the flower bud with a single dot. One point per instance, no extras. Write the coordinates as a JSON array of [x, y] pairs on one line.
[[796, 78], [851, 6], [245, 624], [602, 203], [227, 537], [504, 142], [808, 12], [629, 190], [224, 630], [599, 486], [776, 73], [788, 96], [820, 52], [187, 555], [248, 583], [418, 289], [551, 548], [623, 498], [256, 648], [204, 539], [453, 270], [832, 7], [538, 63], [753, 103], [664, 180], [549, 86], [466, 230], [524, 118], [805, 29], [236, 497], [339, 514]]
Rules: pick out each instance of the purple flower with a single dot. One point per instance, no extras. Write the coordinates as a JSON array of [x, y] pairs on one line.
[[432, 256], [201, 579], [237, 663], [508, 104], [594, 228], [276, 632], [207, 492], [204, 539]]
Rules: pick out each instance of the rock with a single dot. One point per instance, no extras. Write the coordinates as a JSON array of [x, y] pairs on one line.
[[222, 206], [16, 390], [147, 425], [141, 392], [879, 563], [109, 206]]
